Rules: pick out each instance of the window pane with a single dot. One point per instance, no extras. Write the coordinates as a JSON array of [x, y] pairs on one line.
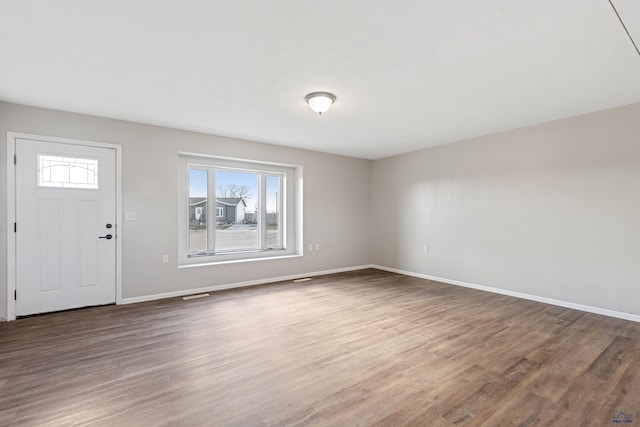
[[67, 172], [237, 198], [197, 211], [273, 203]]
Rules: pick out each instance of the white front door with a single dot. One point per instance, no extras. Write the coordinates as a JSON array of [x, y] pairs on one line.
[[65, 226]]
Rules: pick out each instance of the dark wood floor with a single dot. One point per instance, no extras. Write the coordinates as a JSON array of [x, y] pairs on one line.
[[362, 348]]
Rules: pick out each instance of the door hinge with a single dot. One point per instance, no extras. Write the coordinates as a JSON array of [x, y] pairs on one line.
[[15, 159], [15, 295], [15, 227]]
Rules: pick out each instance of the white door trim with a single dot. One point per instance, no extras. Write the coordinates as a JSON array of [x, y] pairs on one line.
[[11, 210]]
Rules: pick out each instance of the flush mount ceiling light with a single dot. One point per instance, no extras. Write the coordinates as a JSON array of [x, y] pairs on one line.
[[320, 102]]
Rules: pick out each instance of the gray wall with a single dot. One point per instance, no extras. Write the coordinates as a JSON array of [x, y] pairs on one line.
[[551, 210], [336, 198]]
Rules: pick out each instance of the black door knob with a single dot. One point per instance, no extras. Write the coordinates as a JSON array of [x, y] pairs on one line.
[[108, 237], [108, 225]]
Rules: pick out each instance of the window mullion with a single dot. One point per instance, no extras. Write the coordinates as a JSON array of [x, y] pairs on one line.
[[262, 205], [282, 219], [211, 210]]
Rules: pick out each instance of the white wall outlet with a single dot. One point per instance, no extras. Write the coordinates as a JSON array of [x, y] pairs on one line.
[[310, 247], [317, 246], [426, 249], [130, 216], [165, 259]]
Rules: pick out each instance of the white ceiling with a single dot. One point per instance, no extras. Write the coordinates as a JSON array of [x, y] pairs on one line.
[[408, 74]]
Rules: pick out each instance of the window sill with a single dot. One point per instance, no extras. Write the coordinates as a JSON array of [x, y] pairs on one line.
[[235, 261]]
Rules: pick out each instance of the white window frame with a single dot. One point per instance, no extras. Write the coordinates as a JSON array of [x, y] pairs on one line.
[[291, 209], [219, 212]]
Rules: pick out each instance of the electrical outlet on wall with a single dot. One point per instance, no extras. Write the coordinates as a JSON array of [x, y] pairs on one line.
[[310, 247], [165, 259], [425, 249]]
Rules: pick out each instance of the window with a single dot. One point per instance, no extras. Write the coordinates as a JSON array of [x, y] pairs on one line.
[[199, 212], [257, 210], [67, 172]]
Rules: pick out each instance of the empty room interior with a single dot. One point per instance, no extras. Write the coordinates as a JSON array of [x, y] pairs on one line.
[[259, 213]]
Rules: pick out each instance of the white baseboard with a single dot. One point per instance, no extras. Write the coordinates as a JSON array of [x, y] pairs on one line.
[[184, 292], [566, 304], [587, 308]]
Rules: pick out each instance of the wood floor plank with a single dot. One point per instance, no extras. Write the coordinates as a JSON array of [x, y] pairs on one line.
[[565, 365], [357, 348], [522, 409]]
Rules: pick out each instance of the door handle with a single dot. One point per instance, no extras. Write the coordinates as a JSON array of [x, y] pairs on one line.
[[108, 237]]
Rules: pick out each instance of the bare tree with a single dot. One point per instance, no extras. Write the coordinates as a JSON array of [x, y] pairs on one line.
[[234, 190]]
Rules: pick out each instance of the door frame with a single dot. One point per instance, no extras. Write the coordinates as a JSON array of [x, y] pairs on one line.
[[11, 209]]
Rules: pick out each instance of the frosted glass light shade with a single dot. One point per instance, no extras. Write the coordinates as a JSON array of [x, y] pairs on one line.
[[320, 102]]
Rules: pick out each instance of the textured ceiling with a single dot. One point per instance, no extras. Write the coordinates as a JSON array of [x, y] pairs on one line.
[[407, 74]]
